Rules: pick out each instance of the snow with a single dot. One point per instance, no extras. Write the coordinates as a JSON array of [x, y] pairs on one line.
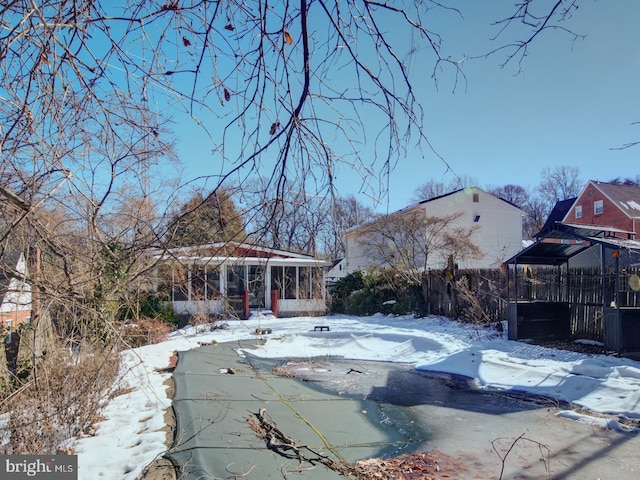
[[130, 437]]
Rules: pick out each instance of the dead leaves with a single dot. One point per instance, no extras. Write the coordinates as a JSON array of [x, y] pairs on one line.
[[410, 466], [226, 96], [274, 128], [170, 6], [288, 39]]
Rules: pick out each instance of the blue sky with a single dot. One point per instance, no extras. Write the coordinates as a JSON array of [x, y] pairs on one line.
[[572, 103]]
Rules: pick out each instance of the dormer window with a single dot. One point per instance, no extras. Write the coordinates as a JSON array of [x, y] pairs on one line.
[[598, 207]]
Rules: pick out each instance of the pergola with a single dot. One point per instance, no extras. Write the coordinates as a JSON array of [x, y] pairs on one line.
[[562, 246]]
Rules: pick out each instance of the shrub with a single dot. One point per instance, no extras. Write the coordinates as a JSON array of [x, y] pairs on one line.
[[343, 289], [145, 332], [378, 291], [155, 307], [362, 302], [152, 306], [61, 402], [201, 321]]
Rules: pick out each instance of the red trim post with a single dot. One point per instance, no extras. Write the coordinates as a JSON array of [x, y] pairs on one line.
[[274, 302], [245, 304]]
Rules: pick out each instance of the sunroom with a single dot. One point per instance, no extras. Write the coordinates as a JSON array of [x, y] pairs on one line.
[[238, 279]]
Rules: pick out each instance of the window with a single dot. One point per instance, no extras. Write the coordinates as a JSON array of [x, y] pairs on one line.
[[8, 331], [578, 211], [302, 283], [180, 284], [304, 279], [197, 284], [598, 207], [290, 283], [317, 283], [256, 286], [165, 281], [236, 284], [476, 218], [277, 280], [213, 283], [476, 197]]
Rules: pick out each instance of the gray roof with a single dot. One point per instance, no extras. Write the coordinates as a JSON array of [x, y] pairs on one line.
[[422, 202], [626, 197], [563, 241]]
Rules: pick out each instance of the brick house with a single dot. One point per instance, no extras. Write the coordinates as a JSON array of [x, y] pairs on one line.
[[15, 293], [607, 205]]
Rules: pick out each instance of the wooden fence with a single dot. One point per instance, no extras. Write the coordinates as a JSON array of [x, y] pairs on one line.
[[481, 295], [473, 295]]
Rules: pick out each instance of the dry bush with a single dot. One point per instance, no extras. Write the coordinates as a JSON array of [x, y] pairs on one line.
[[478, 298], [59, 401], [146, 331], [201, 321], [157, 330]]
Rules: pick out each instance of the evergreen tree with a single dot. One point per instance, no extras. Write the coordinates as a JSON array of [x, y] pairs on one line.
[[207, 219]]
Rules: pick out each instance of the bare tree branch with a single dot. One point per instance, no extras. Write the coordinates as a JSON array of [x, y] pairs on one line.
[[535, 24]]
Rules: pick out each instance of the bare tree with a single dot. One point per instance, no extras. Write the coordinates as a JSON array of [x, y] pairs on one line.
[[537, 211], [75, 186], [294, 222], [626, 181], [534, 207], [313, 224], [432, 189], [410, 242], [530, 20], [560, 183], [345, 213], [290, 99], [428, 190], [515, 194], [87, 90]]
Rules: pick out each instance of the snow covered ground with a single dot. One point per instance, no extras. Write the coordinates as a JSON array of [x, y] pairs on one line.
[[130, 437]]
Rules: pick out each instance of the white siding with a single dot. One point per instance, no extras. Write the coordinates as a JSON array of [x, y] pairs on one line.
[[18, 295], [338, 271], [499, 232], [356, 258]]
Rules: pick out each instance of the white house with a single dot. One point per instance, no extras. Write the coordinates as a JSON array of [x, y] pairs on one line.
[[496, 224], [336, 271], [222, 277], [15, 293]]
